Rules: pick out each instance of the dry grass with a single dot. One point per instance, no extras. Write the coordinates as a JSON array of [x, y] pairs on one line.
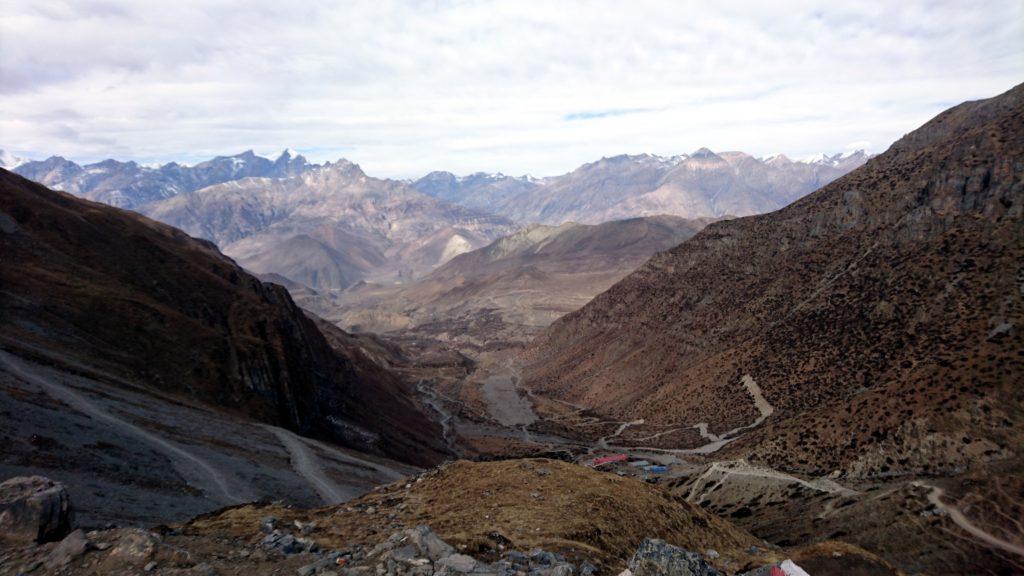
[[521, 504]]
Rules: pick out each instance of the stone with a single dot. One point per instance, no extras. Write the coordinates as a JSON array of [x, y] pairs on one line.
[[268, 524], [657, 558], [543, 558], [287, 544], [459, 563], [135, 547], [518, 558], [331, 560], [587, 569], [34, 509], [70, 548], [429, 543], [149, 567]]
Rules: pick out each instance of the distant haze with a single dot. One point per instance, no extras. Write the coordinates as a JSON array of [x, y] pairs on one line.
[[405, 88]]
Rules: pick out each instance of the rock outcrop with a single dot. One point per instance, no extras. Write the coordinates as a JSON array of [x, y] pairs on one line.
[[420, 552], [657, 558], [34, 509]]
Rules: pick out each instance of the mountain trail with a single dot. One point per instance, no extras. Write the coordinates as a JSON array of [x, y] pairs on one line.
[[216, 484], [306, 464], [961, 520]]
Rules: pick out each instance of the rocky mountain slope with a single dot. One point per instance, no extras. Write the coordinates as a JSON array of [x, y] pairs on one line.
[[88, 284], [518, 284], [129, 185], [699, 185], [872, 328], [329, 226]]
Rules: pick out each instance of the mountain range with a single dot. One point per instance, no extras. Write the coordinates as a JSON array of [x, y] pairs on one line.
[[129, 185], [699, 185], [328, 226], [513, 287]]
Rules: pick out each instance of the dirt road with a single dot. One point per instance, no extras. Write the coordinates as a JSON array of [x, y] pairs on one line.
[[307, 465], [197, 471], [958, 518]]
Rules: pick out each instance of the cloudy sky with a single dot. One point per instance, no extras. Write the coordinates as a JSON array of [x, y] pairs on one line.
[[519, 87]]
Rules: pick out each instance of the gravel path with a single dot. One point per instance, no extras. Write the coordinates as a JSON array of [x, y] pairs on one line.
[[958, 518], [216, 484], [307, 465]]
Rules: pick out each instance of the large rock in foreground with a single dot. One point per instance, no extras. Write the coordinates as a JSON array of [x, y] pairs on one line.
[[34, 509]]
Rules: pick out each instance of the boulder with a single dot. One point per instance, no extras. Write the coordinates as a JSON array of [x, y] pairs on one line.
[[658, 558], [420, 552], [457, 563], [73, 546], [34, 509], [784, 568]]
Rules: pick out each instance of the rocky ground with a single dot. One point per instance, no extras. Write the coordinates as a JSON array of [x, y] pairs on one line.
[[132, 457], [509, 518]]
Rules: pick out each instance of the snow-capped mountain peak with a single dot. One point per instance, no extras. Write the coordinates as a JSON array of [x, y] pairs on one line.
[[10, 161]]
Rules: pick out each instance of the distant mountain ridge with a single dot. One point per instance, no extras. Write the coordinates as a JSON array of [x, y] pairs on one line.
[[330, 225], [512, 288], [129, 184], [698, 185]]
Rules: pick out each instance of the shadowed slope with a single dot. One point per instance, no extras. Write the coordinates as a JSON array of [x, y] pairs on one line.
[[118, 292]]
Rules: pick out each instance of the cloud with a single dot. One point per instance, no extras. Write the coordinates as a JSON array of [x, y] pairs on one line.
[[525, 86], [590, 115]]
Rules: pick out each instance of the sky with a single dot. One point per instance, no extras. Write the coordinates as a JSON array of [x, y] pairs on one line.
[[404, 88]]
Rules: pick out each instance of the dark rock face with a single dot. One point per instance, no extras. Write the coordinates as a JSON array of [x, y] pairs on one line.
[[657, 558], [142, 300], [34, 509]]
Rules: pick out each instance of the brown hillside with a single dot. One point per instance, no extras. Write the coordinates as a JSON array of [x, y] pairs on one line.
[[882, 316]]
